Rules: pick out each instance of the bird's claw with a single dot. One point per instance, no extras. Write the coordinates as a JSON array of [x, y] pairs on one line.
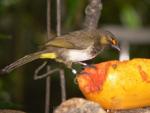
[[84, 73], [74, 71], [81, 63], [90, 66]]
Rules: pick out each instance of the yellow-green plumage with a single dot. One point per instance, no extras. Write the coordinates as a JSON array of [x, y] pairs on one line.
[[48, 55]]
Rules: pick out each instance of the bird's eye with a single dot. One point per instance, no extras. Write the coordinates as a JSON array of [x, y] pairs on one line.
[[113, 41]]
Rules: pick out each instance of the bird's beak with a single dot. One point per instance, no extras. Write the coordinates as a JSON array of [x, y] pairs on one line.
[[116, 47]]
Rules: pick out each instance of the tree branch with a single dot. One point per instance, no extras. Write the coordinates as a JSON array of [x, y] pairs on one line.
[[93, 13]]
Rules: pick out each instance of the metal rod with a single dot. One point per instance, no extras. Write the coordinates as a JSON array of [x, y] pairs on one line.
[[124, 53], [47, 93], [62, 85], [62, 76], [48, 79], [48, 18], [58, 18], [132, 36]]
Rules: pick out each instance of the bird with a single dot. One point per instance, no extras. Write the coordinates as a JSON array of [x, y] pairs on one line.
[[74, 47]]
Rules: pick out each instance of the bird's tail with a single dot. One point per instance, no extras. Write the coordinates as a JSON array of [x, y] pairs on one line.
[[23, 60]]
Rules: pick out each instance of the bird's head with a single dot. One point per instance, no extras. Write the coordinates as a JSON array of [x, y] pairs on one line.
[[108, 39]]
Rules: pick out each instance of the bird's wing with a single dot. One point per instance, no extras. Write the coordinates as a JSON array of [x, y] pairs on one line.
[[75, 40], [60, 42]]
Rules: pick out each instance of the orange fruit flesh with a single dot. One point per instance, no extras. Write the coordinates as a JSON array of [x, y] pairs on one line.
[[116, 84]]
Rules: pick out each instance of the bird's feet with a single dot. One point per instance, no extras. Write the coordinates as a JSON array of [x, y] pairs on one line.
[[82, 63], [74, 71], [90, 66], [85, 65]]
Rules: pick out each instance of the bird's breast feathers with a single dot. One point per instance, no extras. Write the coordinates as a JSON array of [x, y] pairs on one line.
[[80, 55]]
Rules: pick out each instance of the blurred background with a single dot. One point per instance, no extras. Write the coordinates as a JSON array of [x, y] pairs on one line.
[[23, 31]]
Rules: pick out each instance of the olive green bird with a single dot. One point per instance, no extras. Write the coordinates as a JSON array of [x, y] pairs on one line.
[[74, 47]]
